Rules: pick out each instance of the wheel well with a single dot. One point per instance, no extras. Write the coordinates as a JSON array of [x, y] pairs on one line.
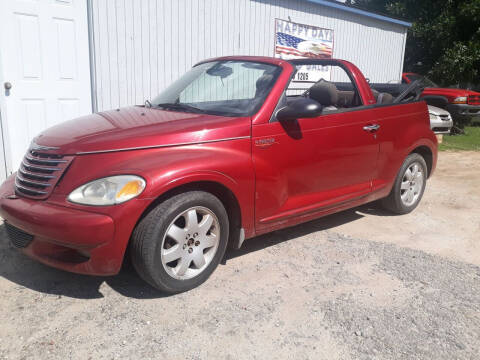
[[224, 194], [427, 155]]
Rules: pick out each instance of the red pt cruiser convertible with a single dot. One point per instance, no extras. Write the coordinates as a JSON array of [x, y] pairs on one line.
[[233, 149]]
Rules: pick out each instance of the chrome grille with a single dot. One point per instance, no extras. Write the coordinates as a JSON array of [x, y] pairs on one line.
[[39, 172]]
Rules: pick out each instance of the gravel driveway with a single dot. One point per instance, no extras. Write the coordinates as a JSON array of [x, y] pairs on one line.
[[356, 285]]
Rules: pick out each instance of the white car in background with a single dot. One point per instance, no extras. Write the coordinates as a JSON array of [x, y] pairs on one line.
[[440, 120]]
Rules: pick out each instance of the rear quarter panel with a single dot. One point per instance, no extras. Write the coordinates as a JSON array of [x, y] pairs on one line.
[[403, 128]]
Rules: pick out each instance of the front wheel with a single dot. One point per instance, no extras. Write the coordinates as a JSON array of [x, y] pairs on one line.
[[409, 185], [181, 241]]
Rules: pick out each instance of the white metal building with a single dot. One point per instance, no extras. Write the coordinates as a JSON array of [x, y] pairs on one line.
[[60, 59]]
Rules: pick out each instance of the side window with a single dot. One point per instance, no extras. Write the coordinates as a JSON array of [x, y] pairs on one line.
[[328, 85]]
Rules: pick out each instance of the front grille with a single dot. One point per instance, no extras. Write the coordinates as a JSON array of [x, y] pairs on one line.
[[445, 117], [18, 238], [473, 100], [39, 172], [441, 130]]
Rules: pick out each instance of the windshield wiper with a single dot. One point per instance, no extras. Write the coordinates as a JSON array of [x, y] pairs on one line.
[[181, 106]]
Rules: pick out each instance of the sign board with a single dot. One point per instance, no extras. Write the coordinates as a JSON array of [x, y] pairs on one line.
[[298, 41]]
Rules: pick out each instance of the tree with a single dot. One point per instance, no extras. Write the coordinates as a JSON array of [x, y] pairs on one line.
[[444, 41]]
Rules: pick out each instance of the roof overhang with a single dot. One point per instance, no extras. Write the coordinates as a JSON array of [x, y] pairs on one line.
[[353, 10]]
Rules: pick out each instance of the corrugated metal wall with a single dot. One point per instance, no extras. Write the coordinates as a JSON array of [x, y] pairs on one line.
[[140, 46]]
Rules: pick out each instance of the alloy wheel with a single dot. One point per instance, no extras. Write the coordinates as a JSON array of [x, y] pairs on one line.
[[412, 184], [190, 243]]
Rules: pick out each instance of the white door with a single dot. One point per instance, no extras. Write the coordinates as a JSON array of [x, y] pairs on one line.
[[44, 57]]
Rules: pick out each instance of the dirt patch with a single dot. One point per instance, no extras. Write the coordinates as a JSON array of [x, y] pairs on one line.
[[447, 221]]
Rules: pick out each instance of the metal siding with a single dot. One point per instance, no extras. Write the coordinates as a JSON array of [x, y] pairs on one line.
[[141, 46]]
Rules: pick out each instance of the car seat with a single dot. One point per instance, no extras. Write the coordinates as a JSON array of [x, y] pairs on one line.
[[384, 98], [325, 93]]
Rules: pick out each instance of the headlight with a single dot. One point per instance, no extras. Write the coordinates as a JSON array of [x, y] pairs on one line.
[[433, 117], [460, 100], [108, 191]]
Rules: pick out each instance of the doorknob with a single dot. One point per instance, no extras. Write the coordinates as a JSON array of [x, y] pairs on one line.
[[7, 85], [371, 128]]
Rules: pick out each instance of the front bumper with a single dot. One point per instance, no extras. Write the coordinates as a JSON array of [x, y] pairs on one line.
[[62, 237], [440, 126], [463, 111]]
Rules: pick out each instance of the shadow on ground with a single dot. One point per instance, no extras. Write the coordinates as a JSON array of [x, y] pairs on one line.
[[30, 274]]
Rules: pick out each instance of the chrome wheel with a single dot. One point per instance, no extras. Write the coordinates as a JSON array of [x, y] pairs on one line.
[[412, 184], [190, 243]]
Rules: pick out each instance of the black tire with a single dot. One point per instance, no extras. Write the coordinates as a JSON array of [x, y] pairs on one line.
[[393, 202], [148, 236]]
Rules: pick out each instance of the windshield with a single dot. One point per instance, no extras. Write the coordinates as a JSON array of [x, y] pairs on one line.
[[425, 81], [228, 88]]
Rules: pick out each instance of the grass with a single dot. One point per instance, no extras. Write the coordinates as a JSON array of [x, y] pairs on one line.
[[469, 141]]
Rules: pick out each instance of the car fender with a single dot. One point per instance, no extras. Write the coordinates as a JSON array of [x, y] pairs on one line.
[[432, 144], [397, 142], [192, 177], [227, 164]]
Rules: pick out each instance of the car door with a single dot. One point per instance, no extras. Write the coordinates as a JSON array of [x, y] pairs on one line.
[[310, 165]]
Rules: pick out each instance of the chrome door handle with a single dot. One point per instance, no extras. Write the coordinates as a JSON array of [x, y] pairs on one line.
[[371, 128]]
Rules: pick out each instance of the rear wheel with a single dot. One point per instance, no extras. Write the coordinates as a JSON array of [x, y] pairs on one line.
[[409, 185], [181, 241]]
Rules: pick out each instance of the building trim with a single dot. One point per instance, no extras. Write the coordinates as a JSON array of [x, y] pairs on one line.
[[402, 59], [354, 10], [91, 45]]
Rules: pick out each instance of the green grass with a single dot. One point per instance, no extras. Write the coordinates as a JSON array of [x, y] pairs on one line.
[[469, 141]]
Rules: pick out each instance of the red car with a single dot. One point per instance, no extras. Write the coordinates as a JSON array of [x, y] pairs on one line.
[[463, 105], [231, 150]]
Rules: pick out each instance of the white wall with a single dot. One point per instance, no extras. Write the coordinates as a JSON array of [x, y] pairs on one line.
[[140, 46]]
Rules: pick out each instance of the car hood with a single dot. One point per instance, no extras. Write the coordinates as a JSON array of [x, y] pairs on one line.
[[437, 111], [449, 93], [138, 127]]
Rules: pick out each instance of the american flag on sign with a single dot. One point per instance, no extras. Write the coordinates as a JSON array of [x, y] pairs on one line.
[[295, 46]]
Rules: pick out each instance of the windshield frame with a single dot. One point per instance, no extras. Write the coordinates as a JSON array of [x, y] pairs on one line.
[[189, 108]]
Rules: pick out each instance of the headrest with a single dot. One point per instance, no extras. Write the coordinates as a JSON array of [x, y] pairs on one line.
[[324, 92], [384, 98], [345, 98]]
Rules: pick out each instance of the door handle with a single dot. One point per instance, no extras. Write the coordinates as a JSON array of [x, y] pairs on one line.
[[371, 128]]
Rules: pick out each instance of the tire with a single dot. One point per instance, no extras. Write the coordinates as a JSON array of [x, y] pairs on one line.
[[408, 187], [168, 244]]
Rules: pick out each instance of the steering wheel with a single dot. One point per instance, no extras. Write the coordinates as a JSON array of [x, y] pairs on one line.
[[413, 87]]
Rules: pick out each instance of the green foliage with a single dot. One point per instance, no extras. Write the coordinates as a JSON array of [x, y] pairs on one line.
[[469, 141], [444, 41]]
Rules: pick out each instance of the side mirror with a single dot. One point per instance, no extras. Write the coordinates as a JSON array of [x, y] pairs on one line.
[[299, 108]]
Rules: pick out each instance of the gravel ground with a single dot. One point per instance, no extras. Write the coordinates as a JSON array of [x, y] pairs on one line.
[[356, 285]]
